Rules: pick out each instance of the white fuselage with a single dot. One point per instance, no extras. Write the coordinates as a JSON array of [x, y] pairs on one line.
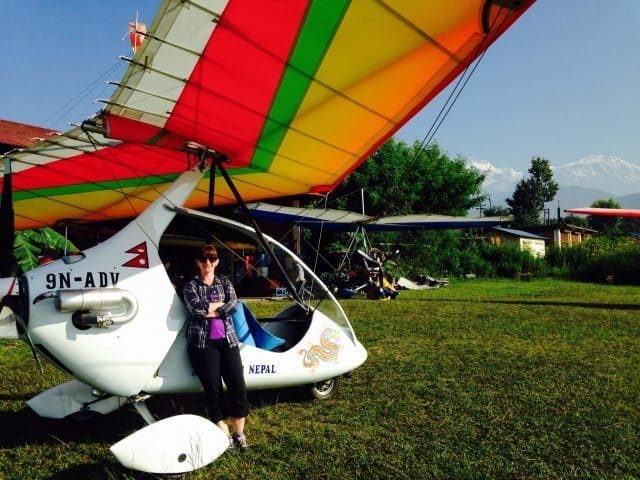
[[141, 347]]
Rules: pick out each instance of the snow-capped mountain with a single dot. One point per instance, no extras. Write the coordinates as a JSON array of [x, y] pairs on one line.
[[501, 181], [581, 182], [612, 174]]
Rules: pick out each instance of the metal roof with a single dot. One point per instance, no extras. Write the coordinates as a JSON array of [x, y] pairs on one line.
[[519, 233]]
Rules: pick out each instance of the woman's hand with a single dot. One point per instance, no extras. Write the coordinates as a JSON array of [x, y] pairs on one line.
[[213, 308]]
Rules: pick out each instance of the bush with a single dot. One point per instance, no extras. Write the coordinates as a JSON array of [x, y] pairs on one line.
[[509, 261], [456, 256], [615, 260]]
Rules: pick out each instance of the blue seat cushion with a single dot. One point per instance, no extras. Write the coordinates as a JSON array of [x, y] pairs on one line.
[[250, 332], [242, 327]]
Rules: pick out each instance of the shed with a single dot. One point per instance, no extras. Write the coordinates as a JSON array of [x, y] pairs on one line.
[[536, 244]]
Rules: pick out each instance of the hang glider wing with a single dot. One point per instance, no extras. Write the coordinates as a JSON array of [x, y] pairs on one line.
[[340, 220], [295, 93], [431, 222], [606, 212]]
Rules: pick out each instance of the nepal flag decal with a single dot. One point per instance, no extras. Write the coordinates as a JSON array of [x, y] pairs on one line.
[[140, 260]]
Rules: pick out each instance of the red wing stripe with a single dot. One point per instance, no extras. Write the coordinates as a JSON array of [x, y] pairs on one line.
[[227, 106]]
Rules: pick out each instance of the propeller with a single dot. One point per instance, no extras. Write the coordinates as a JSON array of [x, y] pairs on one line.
[[16, 304], [7, 226], [7, 259]]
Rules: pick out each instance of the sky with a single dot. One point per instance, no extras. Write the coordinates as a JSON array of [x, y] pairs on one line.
[[562, 83]]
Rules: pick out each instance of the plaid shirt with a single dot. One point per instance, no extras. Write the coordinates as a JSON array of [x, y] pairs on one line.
[[197, 296]]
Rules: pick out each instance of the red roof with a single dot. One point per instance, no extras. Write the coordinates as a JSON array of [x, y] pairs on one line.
[[20, 134]]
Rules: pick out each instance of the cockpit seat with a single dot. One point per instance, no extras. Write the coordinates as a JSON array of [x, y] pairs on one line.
[[250, 332]]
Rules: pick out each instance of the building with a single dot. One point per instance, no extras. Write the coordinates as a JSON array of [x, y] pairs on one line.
[[19, 135], [564, 235], [536, 244]]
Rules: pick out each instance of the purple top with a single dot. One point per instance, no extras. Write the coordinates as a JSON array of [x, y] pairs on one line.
[[217, 329]]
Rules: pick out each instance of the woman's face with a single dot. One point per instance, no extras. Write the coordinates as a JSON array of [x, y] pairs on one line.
[[207, 263]]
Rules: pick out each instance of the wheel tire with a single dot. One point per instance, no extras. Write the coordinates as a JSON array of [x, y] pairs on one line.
[[324, 390]]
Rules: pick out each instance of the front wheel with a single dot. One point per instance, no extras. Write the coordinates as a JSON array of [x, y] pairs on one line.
[[324, 390]]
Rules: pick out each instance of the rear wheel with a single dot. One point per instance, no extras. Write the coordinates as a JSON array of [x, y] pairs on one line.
[[324, 390]]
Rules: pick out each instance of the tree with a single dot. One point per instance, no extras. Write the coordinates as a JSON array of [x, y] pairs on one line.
[[29, 244], [496, 211], [576, 221], [531, 193], [400, 179], [610, 226]]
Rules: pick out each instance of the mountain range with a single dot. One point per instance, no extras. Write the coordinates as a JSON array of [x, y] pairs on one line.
[[591, 178]]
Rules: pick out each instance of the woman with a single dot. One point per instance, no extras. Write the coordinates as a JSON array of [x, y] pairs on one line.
[[213, 344]]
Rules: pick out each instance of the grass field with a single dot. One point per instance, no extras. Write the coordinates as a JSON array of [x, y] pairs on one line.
[[481, 379]]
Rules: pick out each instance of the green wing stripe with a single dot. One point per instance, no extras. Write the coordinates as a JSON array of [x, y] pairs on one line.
[[107, 185], [321, 23]]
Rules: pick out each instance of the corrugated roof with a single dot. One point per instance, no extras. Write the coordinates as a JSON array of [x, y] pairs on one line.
[[519, 233], [20, 134]]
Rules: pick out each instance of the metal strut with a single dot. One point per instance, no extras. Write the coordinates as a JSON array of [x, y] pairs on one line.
[[138, 401], [216, 162], [212, 183]]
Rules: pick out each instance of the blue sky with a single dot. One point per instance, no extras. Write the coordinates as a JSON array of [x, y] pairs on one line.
[[562, 83]]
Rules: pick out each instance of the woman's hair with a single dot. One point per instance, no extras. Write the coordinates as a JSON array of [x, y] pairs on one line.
[[207, 250]]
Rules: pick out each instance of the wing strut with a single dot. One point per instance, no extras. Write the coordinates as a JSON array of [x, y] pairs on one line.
[[217, 160], [212, 181]]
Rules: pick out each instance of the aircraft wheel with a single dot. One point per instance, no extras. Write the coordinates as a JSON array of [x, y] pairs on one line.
[[325, 390]]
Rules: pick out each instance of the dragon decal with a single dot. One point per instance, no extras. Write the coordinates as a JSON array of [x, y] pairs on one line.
[[327, 351]]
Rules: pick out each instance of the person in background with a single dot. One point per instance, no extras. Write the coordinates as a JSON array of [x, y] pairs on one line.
[[388, 290], [300, 280], [213, 345]]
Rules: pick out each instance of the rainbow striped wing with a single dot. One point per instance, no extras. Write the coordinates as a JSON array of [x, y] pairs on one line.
[[296, 93]]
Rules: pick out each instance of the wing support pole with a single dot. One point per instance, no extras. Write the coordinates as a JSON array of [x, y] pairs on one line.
[[151, 69], [89, 148], [217, 160], [212, 184], [127, 107], [215, 15], [174, 45], [144, 92]]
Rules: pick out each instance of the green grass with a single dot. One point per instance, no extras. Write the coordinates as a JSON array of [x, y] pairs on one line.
[[481, 379]]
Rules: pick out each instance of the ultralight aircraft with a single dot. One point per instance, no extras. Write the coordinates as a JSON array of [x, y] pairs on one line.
[[224, 101]]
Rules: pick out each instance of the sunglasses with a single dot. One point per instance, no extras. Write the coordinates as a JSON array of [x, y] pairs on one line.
[[204, 258]]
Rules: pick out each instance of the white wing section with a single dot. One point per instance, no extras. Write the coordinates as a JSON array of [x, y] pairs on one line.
[[58, 146], [165, 60]]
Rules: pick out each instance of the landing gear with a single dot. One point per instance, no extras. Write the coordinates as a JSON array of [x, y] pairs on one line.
[[324, 390]]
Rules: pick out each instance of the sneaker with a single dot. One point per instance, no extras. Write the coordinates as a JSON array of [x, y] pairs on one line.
[[240, 441], [231, 443]]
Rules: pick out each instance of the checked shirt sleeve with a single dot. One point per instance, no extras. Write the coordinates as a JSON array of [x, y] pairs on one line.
[[197, 305]]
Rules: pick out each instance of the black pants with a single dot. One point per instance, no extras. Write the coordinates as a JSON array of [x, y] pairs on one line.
[[213, 364]]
